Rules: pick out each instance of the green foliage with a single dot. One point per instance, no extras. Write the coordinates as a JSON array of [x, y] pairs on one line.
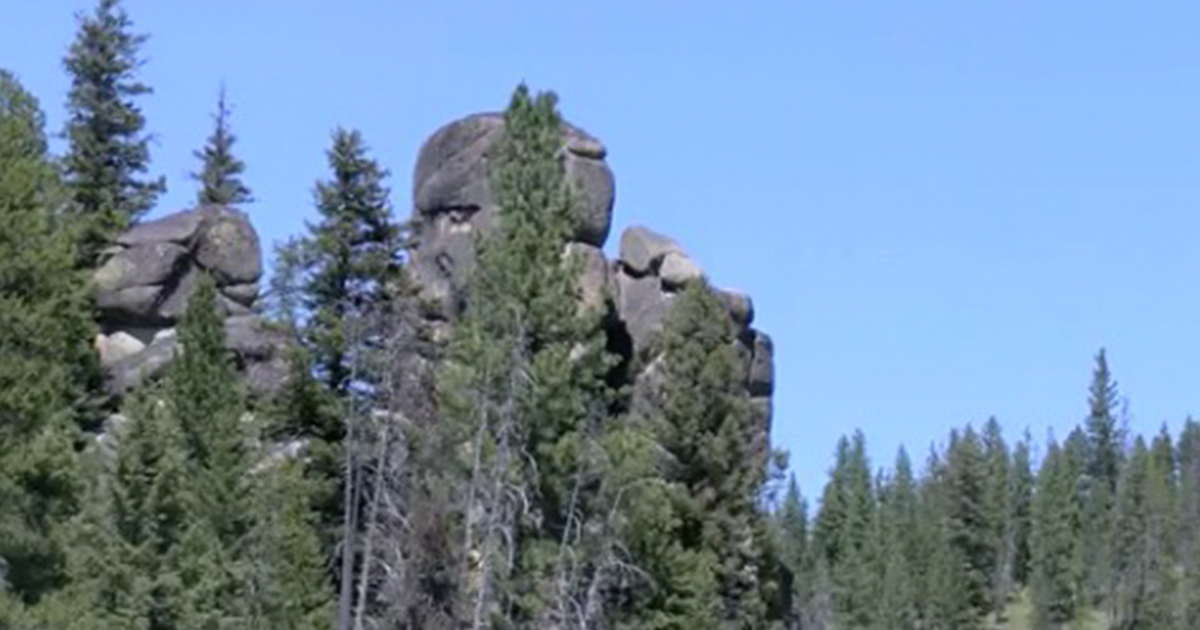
[[899, 548], [1055, 542], [845, 534], [47, 367], [109, 150], [1021, 506], [220, 175]]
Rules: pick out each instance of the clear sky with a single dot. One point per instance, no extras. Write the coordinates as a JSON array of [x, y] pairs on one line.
[[941, 208]]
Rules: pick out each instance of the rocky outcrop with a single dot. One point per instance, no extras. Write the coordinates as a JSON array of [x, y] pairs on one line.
[[452, 202], [144, 282]]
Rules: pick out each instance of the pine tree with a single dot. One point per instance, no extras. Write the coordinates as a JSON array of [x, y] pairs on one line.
[[1099, 483], [203, 394], [1055, 543], [47, 367], [351, 255], [1145, 589], [944, 570], [998, 510], [127, 544], [109, 150], [898, 606], [1021, 491], [1189, 519], [220, 178], [524, 389], [846, 533], [791, 531]]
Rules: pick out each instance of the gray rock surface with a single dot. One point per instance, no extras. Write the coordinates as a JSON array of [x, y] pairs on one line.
[[143, 288], [643, 249], [452, 199], [678, 269]]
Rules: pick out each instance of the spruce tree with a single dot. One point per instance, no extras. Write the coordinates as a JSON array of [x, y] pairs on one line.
[[220, 175], [48, 367], [1055, 544], [109, 149], [524, 390], [1145, 589], [1021, 491], [351, 255], [1099, 482], [791, 525], [846, 532], [899, 548], [967, 518], [998, 510], [1189, 519]]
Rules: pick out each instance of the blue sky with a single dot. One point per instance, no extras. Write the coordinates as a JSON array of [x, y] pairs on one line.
[[941, 208]]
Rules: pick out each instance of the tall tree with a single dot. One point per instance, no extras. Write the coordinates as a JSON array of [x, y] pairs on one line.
[[846, 532], [524, 388], [998, 512], [1105, 446], [47, 366], [221, 170], [1021, 491], [1189, 519], [1145, 587], [967, 519], [791, 526], [109, 149], [898, 500], [1055, 542]]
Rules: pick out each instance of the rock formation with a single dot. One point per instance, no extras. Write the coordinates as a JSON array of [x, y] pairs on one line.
[[143, 284], [452, 201]]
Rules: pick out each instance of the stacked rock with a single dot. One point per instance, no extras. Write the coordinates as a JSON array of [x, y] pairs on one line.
[[146, 279], [453, 201]]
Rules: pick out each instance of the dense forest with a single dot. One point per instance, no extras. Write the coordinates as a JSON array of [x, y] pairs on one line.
[[492, 473]]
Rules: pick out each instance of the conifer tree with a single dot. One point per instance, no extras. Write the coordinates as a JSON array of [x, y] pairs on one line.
[[220, 175], [898, 606], [968, 522], [524, 388], [1099, 482], [1055, 545], [109, 149], [1021, 506], [792, 532], [1189, 519], [47, 367], [1145, 589], [846, 531], [997, 509]]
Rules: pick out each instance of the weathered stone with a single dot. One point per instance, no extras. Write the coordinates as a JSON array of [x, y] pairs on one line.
[[595, 190], [175, 228], [593, 274], [244, 294], [265, 378], [130, 372], [451, 170], [739, 305], [250, 338], [227, 246], [117, 346], [135, 304], [677, 270], [643, 308], [643, 249], [143, 265], [762, 367], [175, 297]]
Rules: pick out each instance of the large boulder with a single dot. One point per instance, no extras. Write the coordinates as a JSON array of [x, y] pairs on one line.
[[453, 199], [143, 287]]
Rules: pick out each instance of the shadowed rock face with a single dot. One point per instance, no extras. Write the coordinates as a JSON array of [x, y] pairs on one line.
[[143, 286], [452, 202]]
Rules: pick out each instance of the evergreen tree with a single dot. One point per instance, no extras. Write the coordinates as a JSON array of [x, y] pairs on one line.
[[127, 544], [220, 175], [1145, 590], [109, 150], [524, 388], [1055, 543], [1021, 506], [998, 511], [944, 571], [47, 366], [351, 255], [846, 533], [898, 606], [1189, 519], [791, 525], [1099, 482], [967, 519]]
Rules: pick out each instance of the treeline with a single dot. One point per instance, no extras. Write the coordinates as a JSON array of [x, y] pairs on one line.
[[1103, 532], [489, 474]]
